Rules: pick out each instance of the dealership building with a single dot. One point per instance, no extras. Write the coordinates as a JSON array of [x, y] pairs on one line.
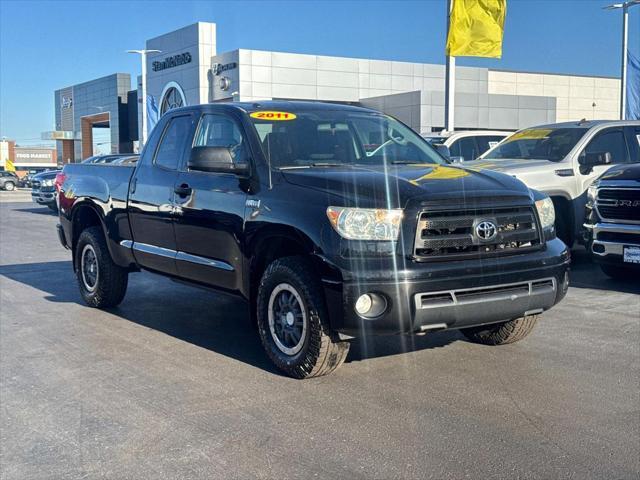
[[189, 70]]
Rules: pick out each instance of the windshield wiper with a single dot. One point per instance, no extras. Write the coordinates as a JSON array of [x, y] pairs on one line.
[[329, 164], [405, 162]]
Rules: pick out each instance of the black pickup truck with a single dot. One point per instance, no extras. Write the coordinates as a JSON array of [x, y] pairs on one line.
[[612, 224], [332, 221]]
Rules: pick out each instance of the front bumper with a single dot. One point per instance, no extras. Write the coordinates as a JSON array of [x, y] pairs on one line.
[[43, 198], [609, 239], [456, 294]]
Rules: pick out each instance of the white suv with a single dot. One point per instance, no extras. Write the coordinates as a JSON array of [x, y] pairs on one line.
[[465, 145], [562, 160]]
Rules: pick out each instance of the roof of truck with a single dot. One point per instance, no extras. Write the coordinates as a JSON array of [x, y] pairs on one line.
[[588, 123], [281, 105]]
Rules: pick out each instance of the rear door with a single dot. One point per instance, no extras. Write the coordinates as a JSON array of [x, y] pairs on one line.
[[152, 197], [210, 222]]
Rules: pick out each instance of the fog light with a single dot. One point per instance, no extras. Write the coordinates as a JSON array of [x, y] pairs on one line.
[[370, 305], [363, 305]]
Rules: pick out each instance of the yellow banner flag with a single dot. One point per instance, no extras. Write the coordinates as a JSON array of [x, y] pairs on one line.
[[476, 28], [9, 166]]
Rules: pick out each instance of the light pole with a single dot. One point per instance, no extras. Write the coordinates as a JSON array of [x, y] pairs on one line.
[[623, 76], [143, 58]]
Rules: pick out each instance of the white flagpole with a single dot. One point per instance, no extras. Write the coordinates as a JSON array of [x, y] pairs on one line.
[[450, 81]]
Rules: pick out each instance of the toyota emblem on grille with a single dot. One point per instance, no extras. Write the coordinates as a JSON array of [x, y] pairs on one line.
[[486, 230]]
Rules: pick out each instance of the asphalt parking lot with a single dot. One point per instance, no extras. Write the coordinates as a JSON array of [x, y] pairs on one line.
[[173, 384]]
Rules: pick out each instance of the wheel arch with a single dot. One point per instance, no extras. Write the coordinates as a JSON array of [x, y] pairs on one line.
[[279, 241], [83, 216]]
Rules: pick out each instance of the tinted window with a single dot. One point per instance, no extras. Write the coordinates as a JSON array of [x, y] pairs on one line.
[[487, 142], [221, 131], [538, 144], [174, 140], [465, 148], [611, 141], [316, 138]]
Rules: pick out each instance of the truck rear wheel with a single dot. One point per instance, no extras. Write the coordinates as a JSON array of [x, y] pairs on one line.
[[501, 333], [293, 321], [102, 283]]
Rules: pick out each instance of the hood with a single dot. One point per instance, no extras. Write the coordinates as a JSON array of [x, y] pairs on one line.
[[629, 171], [511, 165], [46, 175], [376, 188]]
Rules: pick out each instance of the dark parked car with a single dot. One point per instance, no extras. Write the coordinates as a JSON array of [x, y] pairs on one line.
[[331, 221], [613, 221], [43, 189], [9, 181]]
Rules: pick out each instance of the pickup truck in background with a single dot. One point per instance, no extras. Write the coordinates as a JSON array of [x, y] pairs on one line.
[[43, 189], [562, 160], [612, 224], [332, 221], [465, 145]]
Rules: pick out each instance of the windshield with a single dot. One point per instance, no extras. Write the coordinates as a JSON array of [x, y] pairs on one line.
[[339, 138], [538, 144]]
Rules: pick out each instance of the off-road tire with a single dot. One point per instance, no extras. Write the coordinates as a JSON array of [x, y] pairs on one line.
[[501, 333], [112, 280], [9, 186], [322, 351], [617, 272]]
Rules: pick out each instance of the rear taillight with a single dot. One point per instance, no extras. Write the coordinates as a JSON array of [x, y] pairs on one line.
[[60, 178]]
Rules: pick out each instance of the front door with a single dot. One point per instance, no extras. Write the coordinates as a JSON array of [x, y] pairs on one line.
[[210, 219], [152, 195]]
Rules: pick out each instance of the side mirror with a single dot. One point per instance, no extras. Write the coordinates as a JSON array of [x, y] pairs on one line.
[[216, 160], [593, 159], [443, 150]]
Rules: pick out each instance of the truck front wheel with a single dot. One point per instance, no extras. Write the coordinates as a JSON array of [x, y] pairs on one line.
[[102, 283], [501, 333], [293, 321]]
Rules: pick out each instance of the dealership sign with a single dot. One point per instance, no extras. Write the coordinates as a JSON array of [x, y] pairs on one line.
[[218, 68], [170, 62], [67, 102]]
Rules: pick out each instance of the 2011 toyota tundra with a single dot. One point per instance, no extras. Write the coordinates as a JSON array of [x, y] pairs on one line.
[[332, 221]]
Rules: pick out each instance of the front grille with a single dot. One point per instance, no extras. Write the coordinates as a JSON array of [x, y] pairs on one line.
[[446, 234], [35, 185], [619, 204], [619, 237], [509, 291]]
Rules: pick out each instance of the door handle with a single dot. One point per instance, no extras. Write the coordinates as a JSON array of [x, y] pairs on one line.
[[183, 190]]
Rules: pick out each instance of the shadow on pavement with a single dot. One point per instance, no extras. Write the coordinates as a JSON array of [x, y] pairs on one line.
[[206, 319], [38, 210], [585, 273]]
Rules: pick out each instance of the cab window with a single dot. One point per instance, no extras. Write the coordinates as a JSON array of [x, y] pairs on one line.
[[465, 148], [221, 131], [173, 142], [612, 141]]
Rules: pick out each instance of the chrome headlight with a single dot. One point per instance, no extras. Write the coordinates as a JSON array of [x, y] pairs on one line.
[[546, 212], [47, 183], [592, 191], [365, 223]]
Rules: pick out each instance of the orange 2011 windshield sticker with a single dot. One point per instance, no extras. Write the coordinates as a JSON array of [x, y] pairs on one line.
[[268, 115]]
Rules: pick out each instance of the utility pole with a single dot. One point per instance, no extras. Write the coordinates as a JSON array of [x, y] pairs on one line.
[[625, 41], [143, 58]]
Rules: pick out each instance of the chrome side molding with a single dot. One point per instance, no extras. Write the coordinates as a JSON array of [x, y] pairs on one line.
[[176, 255]]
